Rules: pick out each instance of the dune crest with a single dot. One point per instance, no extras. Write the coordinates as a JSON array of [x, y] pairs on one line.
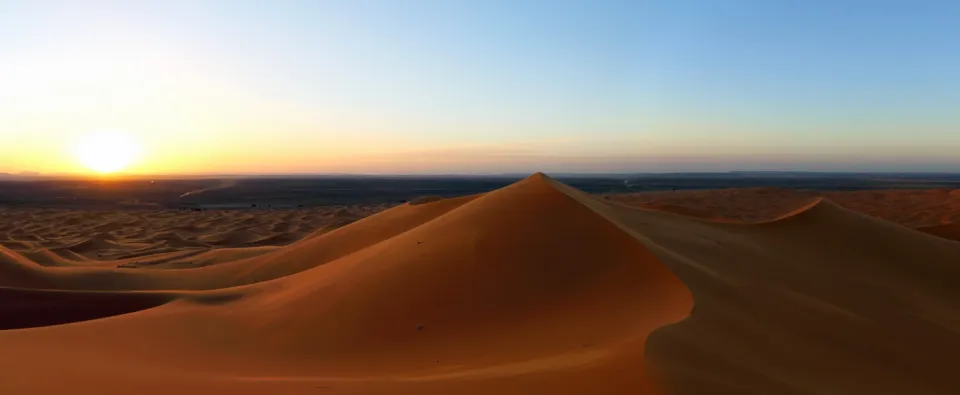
[[822, 300], [496, 270], [533, 288], [455, 295]]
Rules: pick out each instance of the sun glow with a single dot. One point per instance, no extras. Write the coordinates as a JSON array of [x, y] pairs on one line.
[[107, 152]]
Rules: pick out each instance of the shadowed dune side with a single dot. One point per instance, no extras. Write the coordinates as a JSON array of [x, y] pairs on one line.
[[16, 245], [230, 237], [93, 244], [946, 231], [28, 308], [522, 290], [173, 239], [824, 300], [45, 257], [17, 271]]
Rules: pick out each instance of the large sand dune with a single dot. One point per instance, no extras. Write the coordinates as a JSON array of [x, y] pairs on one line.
[[533, 288]]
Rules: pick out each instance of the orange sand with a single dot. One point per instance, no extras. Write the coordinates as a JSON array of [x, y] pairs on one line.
[[933, 210], [534, 288], [521, 290]]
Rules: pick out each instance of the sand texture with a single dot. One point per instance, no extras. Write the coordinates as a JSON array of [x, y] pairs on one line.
[[65, 237], [532, 288], [934, 210]]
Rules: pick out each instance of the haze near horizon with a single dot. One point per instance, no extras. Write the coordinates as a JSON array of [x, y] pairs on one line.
[[444, 87]]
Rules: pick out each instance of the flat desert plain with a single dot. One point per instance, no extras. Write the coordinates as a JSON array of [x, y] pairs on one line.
[[535, 288]]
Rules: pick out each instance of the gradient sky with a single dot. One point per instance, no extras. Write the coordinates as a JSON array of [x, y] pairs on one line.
[[484, 86]]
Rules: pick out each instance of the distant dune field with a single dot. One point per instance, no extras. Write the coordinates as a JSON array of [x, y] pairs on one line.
[[936, 211], [535, 288]]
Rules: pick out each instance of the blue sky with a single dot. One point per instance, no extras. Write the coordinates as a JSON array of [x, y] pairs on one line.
[[486, 86]]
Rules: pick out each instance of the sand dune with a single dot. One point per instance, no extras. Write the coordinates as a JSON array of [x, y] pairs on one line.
[[230, 237], [948, 231], [912, 208], [533, 288], [46, 257], [206, 258], [109, 235], [823, 300], [17, 271]]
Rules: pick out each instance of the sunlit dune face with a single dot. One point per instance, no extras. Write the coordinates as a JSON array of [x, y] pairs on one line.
[[107, 152]]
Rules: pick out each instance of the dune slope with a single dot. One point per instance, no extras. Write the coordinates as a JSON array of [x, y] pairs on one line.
[[521, 290], [310, 252], [534, 288], [823, 300]]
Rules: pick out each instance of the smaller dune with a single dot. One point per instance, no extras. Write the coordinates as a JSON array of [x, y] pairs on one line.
[[147, 252], [908, 207], [16, 245], [230, 238], [176, 241], [45, 257], [279, 239], [107, 227], [29, 237], [344, 213], [94, 244], [211, 257], [18, 271], [103, 235], [281, 227]]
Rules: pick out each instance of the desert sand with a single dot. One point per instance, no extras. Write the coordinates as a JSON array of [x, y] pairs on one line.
[[533, 288], [936, 211], [144, 237]]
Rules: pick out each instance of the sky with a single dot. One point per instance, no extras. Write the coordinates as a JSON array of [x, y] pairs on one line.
[[490, 86]]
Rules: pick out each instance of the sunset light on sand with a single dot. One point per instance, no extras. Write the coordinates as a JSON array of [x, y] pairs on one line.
[[479, 197]]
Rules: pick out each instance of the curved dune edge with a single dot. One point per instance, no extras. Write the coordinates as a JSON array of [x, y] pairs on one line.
[[484, 276], [823, 300], [534, 288], [691, 214], [29, 308]]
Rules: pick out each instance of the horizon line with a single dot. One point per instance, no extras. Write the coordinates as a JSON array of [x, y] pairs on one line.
[[35, 175]]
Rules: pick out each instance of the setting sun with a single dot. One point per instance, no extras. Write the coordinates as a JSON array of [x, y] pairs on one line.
[[107, 152]]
